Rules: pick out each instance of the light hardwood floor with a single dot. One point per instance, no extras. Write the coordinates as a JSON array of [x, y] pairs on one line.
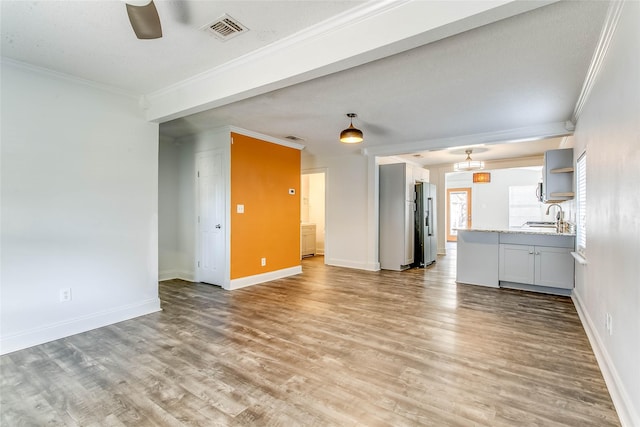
[[332, 346]]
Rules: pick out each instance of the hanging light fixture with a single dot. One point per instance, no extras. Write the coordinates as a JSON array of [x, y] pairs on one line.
[[351, 135], [468, 164], [482, 177]]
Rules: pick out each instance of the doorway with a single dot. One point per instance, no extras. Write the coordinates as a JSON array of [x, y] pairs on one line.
[[313, 209], [458, 211]]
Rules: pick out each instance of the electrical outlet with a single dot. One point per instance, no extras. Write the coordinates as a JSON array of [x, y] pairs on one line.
[[263, 262], [65, 294], [608, 323]]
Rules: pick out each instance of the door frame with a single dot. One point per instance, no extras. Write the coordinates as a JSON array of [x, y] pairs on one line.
[[451, 237]]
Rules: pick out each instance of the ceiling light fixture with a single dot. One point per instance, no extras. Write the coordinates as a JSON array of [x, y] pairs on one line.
[[482, 177], [468, 164], [351, 135]]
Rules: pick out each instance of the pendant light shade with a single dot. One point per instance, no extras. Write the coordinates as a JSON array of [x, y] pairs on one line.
[[351, 135], [468, 164], [482, 177]]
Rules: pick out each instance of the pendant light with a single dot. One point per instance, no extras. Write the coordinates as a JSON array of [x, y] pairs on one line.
[[481, 177], [351, 135], [468, 164]]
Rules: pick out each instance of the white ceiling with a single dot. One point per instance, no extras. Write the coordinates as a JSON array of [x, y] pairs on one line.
[[93, 39], [521, 72]]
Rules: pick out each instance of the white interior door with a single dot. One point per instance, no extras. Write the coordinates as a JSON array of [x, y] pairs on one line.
[[210, 169]]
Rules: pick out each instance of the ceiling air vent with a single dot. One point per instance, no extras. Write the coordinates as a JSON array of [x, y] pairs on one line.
[[294, 138], [225, 28]]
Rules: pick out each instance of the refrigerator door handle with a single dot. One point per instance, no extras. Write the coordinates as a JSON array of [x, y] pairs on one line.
[[429, 209]]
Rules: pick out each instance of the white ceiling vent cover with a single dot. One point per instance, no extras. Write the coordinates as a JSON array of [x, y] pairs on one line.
[[225, 28]]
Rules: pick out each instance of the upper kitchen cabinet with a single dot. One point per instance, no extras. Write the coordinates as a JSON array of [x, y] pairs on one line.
[[558, 175]]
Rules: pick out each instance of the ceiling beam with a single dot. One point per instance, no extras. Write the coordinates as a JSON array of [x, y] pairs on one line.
[[372, 31], [531, 133]]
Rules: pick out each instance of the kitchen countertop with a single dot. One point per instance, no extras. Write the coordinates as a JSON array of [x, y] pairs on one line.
[[520, 230]]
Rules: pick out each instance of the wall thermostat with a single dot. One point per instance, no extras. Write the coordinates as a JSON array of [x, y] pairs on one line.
[[292, 191]]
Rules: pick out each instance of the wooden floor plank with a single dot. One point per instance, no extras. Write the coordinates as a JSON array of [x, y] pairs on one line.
[[330, 347]]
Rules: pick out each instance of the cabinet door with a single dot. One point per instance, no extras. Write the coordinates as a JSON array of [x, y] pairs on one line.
[[554, 267], [410, 183], [409, 235], [517, 263]]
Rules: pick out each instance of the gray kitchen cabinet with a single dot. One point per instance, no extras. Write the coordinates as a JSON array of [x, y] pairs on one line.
[[537, 265], [397, 210], [558, 175], [477, 258]]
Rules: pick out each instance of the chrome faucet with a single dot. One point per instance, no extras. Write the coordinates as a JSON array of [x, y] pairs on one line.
[[559, 217]]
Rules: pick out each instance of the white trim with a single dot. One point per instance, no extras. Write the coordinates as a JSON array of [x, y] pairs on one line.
[[619, 396], [266, 138], [243, 282], [530, 133], [176, 274], [71, 79], [578, 257], [608, 29], [352, 264], [65, 328]]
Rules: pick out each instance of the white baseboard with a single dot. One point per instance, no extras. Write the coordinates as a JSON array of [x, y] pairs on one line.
[[41, 335], [629, 416], [243, 282], [176, 274], [375, 266]]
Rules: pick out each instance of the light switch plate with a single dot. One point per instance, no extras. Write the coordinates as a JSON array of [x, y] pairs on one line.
[[240, 208]]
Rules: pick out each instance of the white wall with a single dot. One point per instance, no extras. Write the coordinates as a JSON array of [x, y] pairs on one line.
[[609, 130], [438, 174], [168, 208], [347, 219], [177, 190], [176, 201], [79, 207], [490, 201]]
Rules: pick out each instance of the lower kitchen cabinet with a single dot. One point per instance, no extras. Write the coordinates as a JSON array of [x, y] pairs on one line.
[[537, 265]]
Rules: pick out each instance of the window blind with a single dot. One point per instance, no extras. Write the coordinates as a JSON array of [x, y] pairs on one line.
[[581, 202]]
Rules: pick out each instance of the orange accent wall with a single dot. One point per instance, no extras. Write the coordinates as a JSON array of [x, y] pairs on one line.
[[261, 175]]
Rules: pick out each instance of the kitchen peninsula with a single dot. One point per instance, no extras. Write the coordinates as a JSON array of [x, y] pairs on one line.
[[533, 259]]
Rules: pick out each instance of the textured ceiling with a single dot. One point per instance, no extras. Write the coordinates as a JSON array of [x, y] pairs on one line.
[[94, 40], [523, 71]]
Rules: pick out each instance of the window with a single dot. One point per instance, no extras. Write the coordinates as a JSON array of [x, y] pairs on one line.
[[581, 204]]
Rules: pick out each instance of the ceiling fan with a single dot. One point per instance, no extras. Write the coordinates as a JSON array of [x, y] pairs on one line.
[[144, 19]]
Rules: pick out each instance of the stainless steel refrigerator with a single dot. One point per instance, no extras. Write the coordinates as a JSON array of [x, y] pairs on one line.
[[426, 243]]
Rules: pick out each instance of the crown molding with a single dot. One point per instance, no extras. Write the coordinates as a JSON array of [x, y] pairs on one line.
[[68, 78], [264, 137], [531, 133], [608, 30]]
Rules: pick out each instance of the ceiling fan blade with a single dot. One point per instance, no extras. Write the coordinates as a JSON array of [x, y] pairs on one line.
[[145, 21]]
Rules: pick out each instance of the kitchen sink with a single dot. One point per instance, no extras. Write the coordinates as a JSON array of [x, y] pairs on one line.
[[539, 224]]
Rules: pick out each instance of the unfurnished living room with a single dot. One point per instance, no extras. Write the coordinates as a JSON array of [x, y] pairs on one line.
[[319, 213]]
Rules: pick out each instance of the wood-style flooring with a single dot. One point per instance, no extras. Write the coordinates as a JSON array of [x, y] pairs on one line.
[[330, 347]]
